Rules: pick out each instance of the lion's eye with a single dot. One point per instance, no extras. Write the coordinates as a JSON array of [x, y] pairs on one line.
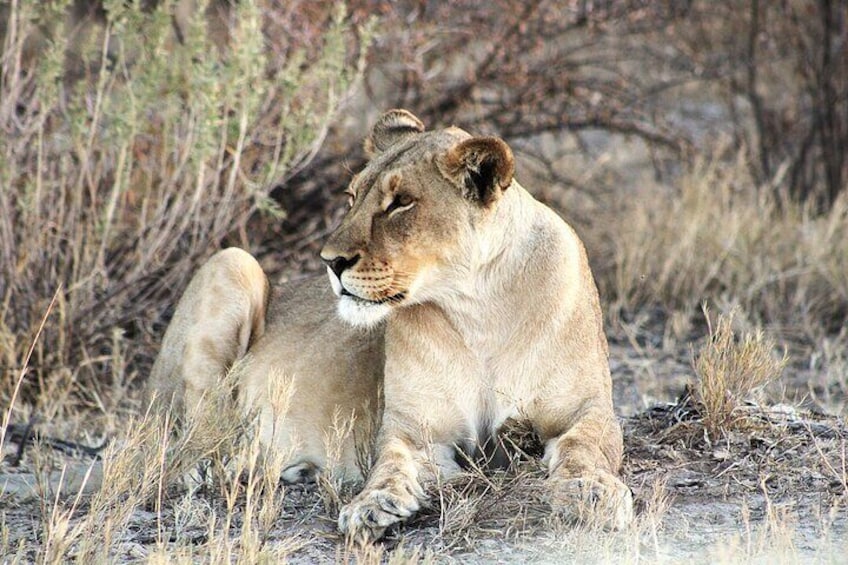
[[400, 202]]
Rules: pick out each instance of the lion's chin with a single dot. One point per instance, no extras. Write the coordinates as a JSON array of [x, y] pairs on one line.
[[362, 313]]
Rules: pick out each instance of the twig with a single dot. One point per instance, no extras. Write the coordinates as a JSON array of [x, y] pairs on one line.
[[8, 416], [24, 435]]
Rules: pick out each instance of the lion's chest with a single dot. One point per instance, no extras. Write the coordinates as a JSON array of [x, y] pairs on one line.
[[464, 379], [505, 387]]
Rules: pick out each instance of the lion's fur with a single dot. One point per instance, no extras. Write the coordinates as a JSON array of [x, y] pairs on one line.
[[470, 303]]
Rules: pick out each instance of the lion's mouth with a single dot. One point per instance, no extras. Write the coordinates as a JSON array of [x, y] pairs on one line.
[[394, 299]]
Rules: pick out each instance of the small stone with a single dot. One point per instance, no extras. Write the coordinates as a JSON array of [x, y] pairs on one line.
[[721, 454]]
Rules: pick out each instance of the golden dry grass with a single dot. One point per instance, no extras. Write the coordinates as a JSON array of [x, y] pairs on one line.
[[729, 368], [720, 237]]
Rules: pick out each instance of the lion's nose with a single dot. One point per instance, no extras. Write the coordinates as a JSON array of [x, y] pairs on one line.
[[340, 263]]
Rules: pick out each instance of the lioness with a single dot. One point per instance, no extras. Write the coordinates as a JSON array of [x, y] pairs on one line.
[[466, 299]]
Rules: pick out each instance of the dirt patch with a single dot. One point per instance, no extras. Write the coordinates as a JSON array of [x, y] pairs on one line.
[[782, 473]]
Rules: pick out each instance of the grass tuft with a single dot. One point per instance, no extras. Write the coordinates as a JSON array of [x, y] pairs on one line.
[[729, 368]]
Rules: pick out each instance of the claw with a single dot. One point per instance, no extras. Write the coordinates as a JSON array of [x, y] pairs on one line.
[[369, 518]]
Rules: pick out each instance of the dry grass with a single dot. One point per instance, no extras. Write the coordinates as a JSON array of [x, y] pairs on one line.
[[827, 382], [150, 470], [718, 236], [729, 368], [142, 469]]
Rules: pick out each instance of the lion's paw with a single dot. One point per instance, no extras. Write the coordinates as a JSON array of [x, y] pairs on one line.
[[602, 500], [368, 515]]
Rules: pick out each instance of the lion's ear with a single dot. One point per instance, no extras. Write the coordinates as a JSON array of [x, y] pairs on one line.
[[392, 127], [482, 166]]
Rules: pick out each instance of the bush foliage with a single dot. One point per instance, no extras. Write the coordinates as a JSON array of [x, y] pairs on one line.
[[128, 153]]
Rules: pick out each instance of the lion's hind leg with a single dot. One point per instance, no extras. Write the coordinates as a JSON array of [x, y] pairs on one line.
[[221, 312]]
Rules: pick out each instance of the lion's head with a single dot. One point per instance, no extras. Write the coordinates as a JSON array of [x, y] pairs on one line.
[[416, 209]]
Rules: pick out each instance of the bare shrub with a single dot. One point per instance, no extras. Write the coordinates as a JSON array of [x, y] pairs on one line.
[[544, 66], [116, 183], [783, 73], [729, 368], [520, 72]]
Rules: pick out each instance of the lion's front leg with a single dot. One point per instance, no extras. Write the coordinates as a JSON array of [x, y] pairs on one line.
[[583, 464], [392, 493]]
